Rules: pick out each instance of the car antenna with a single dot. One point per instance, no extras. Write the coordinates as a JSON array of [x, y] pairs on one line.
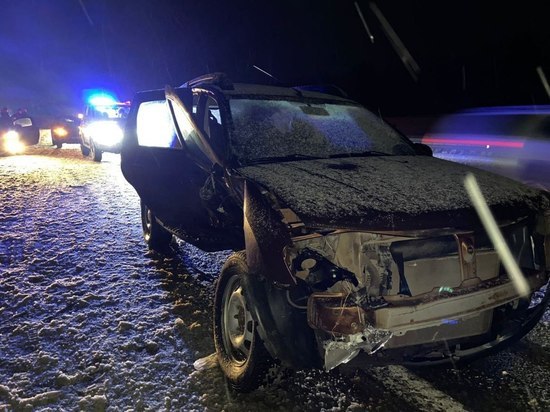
[[371, 37], [267, 74], [408, 60]]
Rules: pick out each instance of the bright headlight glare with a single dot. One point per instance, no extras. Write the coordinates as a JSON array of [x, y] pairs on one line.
[[105, 133], [11, 136], [12, 144]]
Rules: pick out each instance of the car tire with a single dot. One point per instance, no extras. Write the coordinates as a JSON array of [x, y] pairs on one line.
[[156, 237], [95, 153], [58, 145], [240, 351], [85, 150]]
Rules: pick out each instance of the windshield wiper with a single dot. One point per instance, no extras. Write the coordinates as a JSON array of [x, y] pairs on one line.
[[287, 158]]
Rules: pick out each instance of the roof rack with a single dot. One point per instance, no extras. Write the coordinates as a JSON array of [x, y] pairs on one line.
[[323, 88], [217, 79]]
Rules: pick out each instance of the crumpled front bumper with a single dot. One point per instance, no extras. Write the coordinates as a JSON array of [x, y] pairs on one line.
[[410, 321]]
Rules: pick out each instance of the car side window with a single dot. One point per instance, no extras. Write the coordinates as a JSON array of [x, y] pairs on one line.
[[154, 126], [210, 120], [186, 125], [196, 98], [213, 121]]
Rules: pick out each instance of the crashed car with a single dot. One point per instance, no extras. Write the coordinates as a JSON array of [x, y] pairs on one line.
[[354, 246]]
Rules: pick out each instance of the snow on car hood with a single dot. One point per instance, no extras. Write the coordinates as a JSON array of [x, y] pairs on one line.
[[389, 191]]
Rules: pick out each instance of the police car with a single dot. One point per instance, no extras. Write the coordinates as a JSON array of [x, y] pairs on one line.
[[102, 127]]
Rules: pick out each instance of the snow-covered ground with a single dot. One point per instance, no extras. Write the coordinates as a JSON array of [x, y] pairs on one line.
[[90, 320]]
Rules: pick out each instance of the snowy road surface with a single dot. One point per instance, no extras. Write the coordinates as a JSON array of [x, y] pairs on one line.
[[89, 320]]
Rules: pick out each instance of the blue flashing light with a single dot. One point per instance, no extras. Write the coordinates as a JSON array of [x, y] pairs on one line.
[[102, 99]]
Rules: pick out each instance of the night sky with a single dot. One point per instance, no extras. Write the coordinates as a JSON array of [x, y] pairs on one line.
[[469, 54]]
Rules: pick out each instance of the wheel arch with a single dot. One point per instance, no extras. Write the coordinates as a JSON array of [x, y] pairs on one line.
[[283, 328]]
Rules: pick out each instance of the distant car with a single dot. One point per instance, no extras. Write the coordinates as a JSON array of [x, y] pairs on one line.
[[102, 128], [65, 130], [15, 137], [512, 141], [351, 246]]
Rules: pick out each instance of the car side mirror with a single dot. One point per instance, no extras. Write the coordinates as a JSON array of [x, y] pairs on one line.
[[423, 149], [23, 122]]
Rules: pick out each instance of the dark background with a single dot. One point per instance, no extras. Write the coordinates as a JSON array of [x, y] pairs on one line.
[[471, 53]]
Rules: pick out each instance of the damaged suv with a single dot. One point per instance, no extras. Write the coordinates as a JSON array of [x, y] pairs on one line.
[[354, 245]]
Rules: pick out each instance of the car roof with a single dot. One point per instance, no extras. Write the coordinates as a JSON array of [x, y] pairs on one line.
[[220, 82], [246, 89]]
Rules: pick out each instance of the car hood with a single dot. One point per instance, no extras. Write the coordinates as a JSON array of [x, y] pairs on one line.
[[390, 192]]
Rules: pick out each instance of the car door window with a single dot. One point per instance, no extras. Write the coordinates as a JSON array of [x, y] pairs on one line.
[[211, 122], [192, 137], [155, 127], [196, 97], [185, 124]]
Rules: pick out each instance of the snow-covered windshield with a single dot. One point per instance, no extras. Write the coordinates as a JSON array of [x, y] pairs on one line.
[[268, 130]]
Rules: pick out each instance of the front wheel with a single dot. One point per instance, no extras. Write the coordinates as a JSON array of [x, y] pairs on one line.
[[85, 151], [156, 237], [95, 153], [240, 351]]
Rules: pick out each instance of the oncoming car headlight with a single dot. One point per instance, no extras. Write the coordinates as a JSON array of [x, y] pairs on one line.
[[105, 133], [12, 142]]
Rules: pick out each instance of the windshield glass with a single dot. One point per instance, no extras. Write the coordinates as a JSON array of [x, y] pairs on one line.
[[112, 111], [274, 129]]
